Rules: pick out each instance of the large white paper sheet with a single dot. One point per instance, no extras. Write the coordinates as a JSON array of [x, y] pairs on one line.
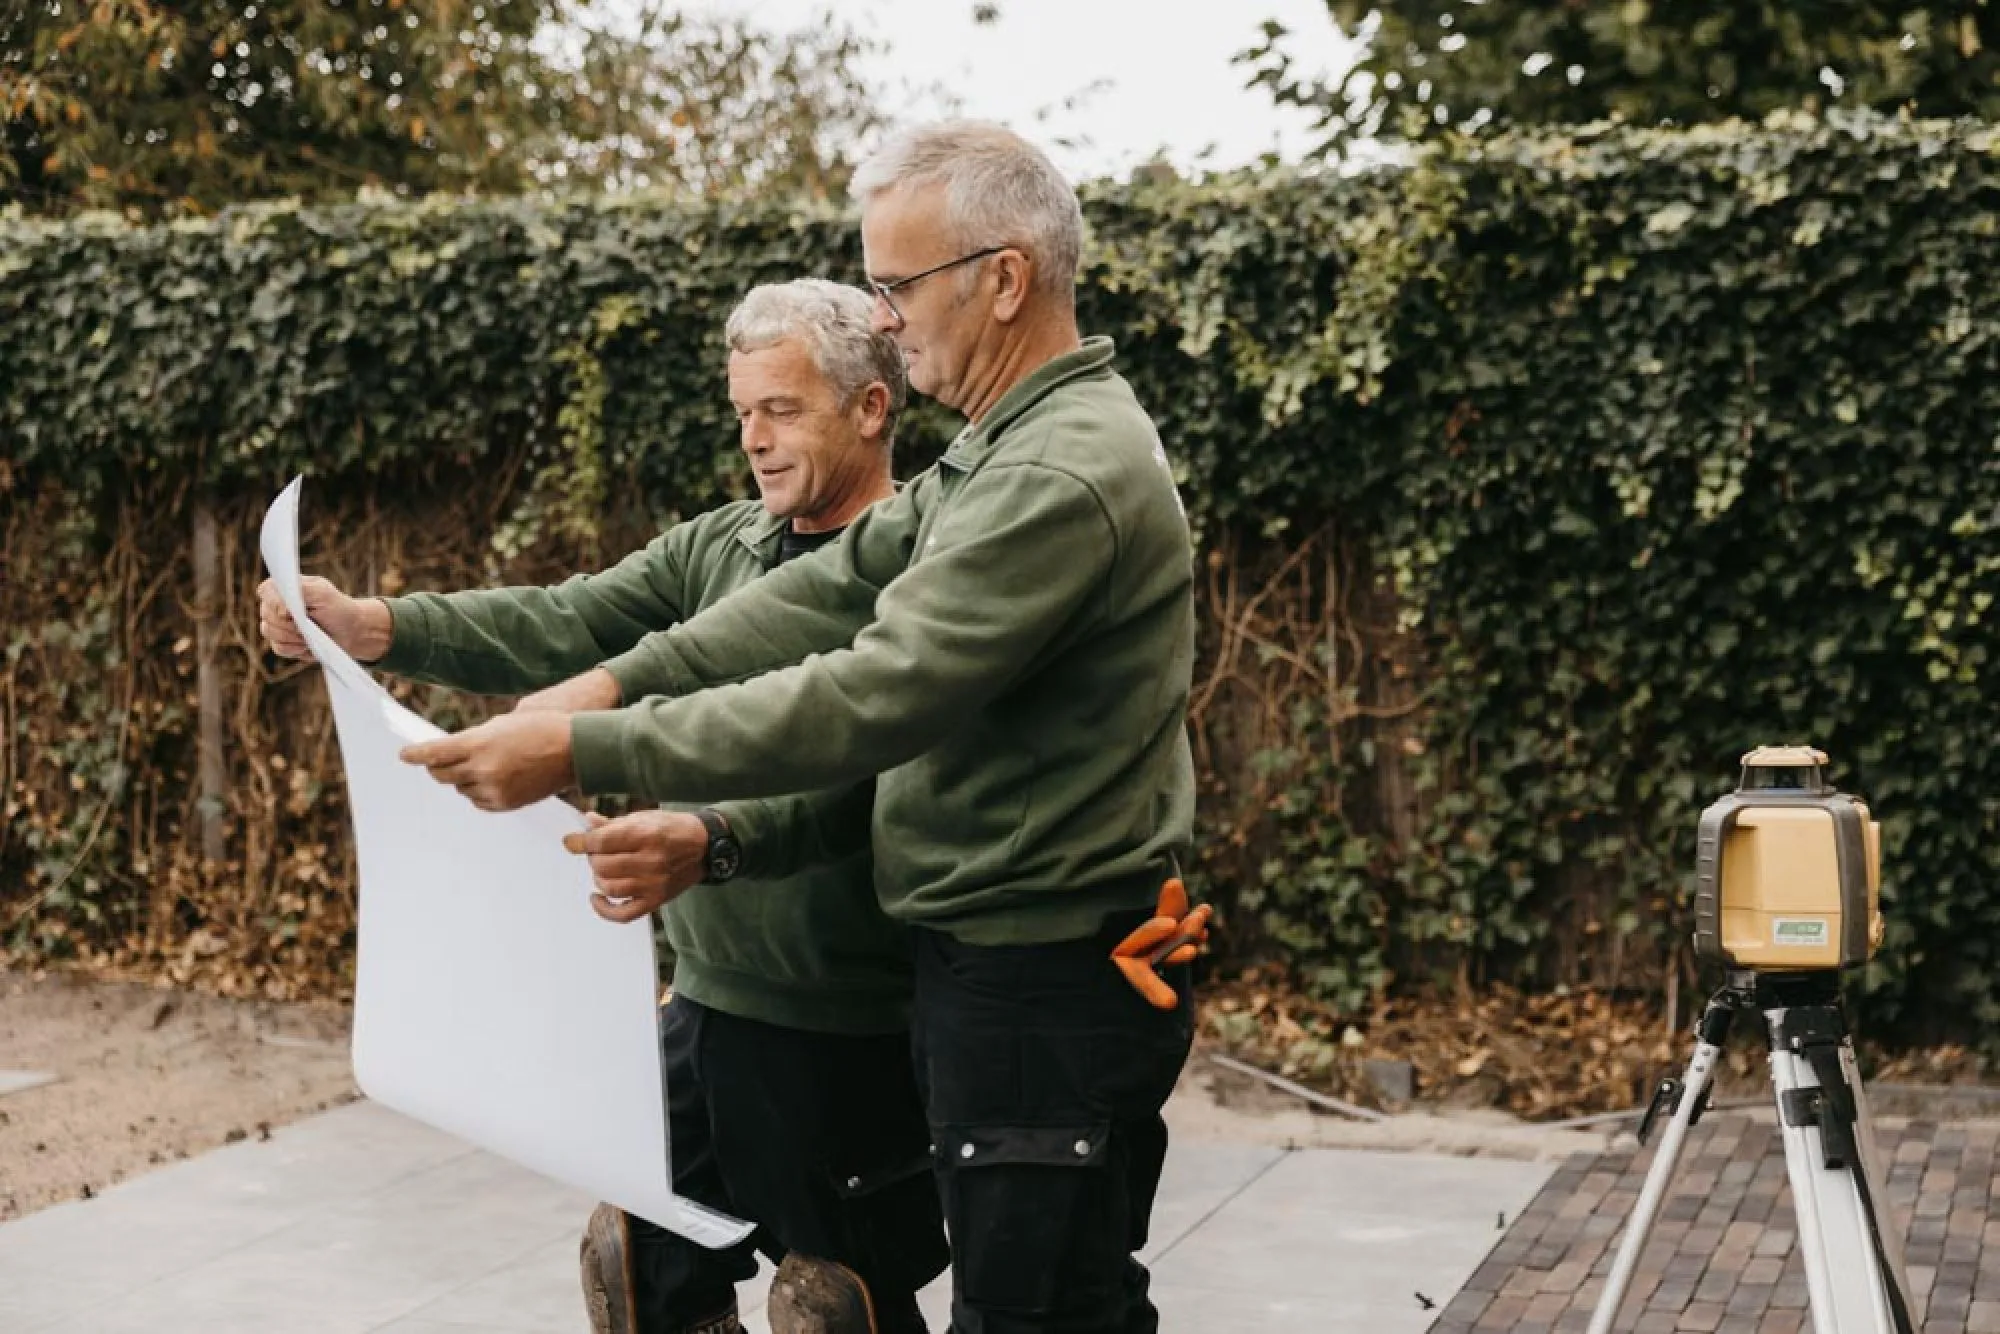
[[489, 1000]]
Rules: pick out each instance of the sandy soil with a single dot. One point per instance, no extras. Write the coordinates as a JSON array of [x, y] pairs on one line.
[[149, 1076]]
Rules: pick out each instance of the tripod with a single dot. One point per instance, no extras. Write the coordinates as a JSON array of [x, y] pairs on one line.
[[1853, 1256]]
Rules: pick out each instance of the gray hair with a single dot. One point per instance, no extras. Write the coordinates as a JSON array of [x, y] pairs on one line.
[[999, 190], [836, 324]]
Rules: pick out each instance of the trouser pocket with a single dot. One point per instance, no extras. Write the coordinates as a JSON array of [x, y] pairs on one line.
[[897, 1222], [1037, 1217]]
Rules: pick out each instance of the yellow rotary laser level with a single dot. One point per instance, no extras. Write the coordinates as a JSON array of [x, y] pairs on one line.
[[1787, 893], [1787, 870]]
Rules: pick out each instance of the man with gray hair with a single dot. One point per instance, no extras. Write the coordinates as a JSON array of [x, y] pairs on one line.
[[786, 1040], [1008, 643]]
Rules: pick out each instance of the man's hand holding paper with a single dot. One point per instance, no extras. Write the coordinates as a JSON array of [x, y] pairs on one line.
[[642, 861], [504, 763]]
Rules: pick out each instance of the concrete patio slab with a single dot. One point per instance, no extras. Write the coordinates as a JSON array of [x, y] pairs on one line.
[[360, 1221]]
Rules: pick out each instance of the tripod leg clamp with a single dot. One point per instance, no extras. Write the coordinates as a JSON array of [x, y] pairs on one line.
[[1815, 1034]]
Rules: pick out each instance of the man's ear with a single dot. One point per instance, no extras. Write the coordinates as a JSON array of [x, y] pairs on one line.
[[871, 411], [1013, 272]]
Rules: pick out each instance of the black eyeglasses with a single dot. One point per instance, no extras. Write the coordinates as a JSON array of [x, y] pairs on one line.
[[887, 291]]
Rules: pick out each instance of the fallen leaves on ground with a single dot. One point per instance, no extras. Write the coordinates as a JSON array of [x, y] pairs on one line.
[[1541, 1056]]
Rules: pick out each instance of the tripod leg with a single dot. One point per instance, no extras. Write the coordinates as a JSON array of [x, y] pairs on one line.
[[1888, 1234], [1847, 1240], [1714, 1029]]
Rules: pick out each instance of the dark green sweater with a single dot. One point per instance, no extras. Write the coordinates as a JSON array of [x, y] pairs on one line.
[[797, 938], [1008, 643]]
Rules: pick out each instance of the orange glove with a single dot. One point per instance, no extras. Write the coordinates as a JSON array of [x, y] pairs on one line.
[[1174, 935]]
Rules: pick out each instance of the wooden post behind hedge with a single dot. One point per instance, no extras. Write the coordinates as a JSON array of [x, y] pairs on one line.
[[211, 776]]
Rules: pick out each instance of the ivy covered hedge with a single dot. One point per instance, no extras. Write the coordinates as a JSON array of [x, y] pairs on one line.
[[1535, 482]]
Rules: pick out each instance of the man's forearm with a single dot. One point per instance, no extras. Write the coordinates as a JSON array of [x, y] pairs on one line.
[[807, 607], [496, 642], [511, 641], [954, 631], [594, 689]]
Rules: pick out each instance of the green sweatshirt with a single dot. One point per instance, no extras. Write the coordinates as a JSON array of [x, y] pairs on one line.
[[797, 938], [1008, 643]]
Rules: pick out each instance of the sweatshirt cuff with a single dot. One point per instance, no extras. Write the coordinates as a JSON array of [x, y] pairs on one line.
[[597, 751], [409, 638], [649, 668]]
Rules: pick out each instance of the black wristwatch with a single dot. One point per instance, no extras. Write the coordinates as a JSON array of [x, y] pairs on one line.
[[725, 854]]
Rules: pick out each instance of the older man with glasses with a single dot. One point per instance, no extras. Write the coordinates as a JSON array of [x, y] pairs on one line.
[[1008, 643]]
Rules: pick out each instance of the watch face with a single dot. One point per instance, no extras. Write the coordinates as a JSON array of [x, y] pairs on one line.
[[723, 859]]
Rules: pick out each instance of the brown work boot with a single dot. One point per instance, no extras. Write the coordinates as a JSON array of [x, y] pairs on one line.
[[606, 1255], [814, 1296], [607, 1280]]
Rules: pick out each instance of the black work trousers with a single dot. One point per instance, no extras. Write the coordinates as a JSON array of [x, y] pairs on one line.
[[1044, 1074], [818, 1139]]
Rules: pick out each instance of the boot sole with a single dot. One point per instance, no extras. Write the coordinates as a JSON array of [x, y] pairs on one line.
[[606, 1257], [809, 1302]]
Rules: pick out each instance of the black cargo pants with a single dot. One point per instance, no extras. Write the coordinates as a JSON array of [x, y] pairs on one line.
[[819, 1139], [1044, 1075]]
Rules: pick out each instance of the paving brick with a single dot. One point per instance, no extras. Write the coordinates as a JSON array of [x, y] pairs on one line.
[[1775, 1241], [1759, 1207], [1546, 1306], [1715, 1286], [1704, 1316], [1701, 1241], [1789, 1295], [1749, 1299], [1671, 1295], [1762, 1272], [1948, 1304], [1463, 1309], [1503, 1311], [1566, 1277], [1738, 1241]]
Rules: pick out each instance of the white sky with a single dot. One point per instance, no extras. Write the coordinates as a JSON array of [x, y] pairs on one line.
[[1152, 74]]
